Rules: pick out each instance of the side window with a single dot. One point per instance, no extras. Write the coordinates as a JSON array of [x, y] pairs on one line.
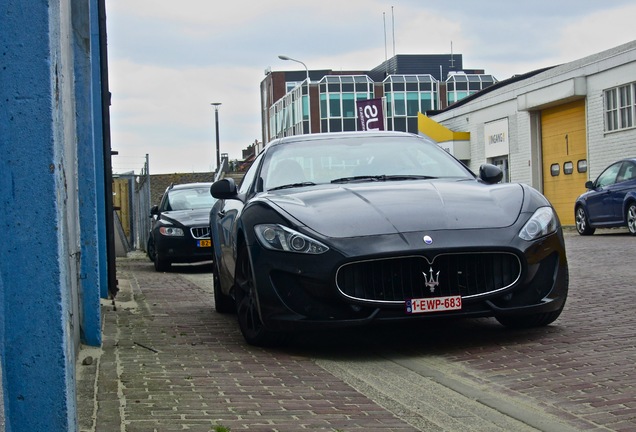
[[164, 205], [248, 179], [608, 177], [630, 171], [626, 173]]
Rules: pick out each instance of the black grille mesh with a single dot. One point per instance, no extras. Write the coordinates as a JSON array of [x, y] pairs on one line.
[[398, 279]]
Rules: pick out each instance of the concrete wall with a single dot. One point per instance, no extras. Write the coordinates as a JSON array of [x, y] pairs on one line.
[[49, 278]]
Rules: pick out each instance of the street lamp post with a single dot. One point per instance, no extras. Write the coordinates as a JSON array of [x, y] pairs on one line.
[[283, 57], [216, 123]]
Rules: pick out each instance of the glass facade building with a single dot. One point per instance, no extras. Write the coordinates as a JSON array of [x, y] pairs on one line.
[[292, 104]]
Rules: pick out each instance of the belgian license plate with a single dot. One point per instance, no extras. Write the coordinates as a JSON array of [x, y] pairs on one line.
[[204, 243], [433, 304]]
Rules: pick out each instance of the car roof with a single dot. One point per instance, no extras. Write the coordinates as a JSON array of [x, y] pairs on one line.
[[189, 185], [336, 135]]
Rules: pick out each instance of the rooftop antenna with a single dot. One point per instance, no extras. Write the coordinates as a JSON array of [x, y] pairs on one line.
[[452, 60], [386, 59], [393, 25]]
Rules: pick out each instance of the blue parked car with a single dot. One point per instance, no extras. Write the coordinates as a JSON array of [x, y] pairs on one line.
[[610, 200]]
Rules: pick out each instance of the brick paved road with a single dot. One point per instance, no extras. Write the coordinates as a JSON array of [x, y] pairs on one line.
[[469, 375], [580, 369]]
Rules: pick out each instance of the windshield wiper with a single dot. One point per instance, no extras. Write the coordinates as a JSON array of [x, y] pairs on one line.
[[359, 178], [382, 177], [292, 185], [409, 177]]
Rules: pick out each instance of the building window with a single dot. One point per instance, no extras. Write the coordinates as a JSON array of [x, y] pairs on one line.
[[555, 169], [568, 168], [290, 114], [581, 165], [338, 95], [406, 96], [620, 108], [461, 85]]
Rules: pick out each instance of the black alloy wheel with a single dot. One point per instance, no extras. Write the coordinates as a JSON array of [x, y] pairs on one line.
[[249, 318], [582, 224]]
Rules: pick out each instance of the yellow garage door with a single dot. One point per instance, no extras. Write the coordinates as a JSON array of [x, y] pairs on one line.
[[564, 156]]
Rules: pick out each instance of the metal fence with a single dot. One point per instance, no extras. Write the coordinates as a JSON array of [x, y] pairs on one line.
[[141, 208]]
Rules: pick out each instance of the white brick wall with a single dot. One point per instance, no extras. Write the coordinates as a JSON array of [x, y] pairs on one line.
[[604, 70]]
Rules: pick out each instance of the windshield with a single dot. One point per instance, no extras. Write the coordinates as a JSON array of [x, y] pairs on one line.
[[190, 199], [357, 159]]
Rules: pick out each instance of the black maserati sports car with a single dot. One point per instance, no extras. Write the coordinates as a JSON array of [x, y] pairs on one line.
[[345, 229]]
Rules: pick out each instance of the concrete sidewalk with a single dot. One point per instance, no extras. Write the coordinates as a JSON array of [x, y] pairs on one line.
[[170, 362]]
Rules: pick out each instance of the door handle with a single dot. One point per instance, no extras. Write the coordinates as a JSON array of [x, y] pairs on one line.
[[221, 213]]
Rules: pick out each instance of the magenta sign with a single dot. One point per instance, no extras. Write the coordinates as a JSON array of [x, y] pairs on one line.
[[370, 115]]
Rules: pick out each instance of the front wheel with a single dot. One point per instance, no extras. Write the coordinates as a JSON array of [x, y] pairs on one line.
[[150, 249], [529, 321], [161, 265], [630, 215], [247, 310], [582, 223], [222, 303]]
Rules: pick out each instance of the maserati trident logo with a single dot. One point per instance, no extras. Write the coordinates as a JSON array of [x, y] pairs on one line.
[[432, 281]]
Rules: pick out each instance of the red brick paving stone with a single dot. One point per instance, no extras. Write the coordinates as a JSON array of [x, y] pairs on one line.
[[203, 374]]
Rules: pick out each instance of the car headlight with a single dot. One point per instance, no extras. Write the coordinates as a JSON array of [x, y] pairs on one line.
[[542, 223], [171, 231], [281, 238]]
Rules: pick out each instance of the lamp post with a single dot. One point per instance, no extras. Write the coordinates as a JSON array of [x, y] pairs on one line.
[[216, 123], [283, 57]]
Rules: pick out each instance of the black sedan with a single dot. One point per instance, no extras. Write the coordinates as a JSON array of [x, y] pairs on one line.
[[610, 201], [180, 229], [347, 229]]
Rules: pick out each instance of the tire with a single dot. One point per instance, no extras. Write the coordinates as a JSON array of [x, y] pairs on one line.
[[249, 319], [222, 303], [150, 249], [529, 321], [162, 265], [630, 217], [582, 223]]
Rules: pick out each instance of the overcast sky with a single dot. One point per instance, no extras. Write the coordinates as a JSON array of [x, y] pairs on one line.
[[169, 60]]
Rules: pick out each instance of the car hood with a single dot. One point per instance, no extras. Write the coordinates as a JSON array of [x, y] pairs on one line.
[[188, 218], [364, 209]]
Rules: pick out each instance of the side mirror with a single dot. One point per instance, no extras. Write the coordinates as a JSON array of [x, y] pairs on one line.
[[154, 210], [589, 184], [490, 174], [224, 189]]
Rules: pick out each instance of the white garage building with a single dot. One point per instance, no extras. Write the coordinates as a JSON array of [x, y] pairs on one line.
[[553, 129]]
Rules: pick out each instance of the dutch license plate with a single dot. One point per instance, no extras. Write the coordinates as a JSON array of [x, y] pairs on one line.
[[434, 304], [204, 243]]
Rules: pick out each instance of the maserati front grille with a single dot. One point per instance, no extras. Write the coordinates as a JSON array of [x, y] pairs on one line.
[[394, 280]]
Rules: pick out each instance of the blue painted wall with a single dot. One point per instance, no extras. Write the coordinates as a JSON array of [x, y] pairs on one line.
[[51, 181]]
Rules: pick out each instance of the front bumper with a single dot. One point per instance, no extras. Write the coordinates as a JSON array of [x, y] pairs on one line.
[[184, 249], [300, 291]]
